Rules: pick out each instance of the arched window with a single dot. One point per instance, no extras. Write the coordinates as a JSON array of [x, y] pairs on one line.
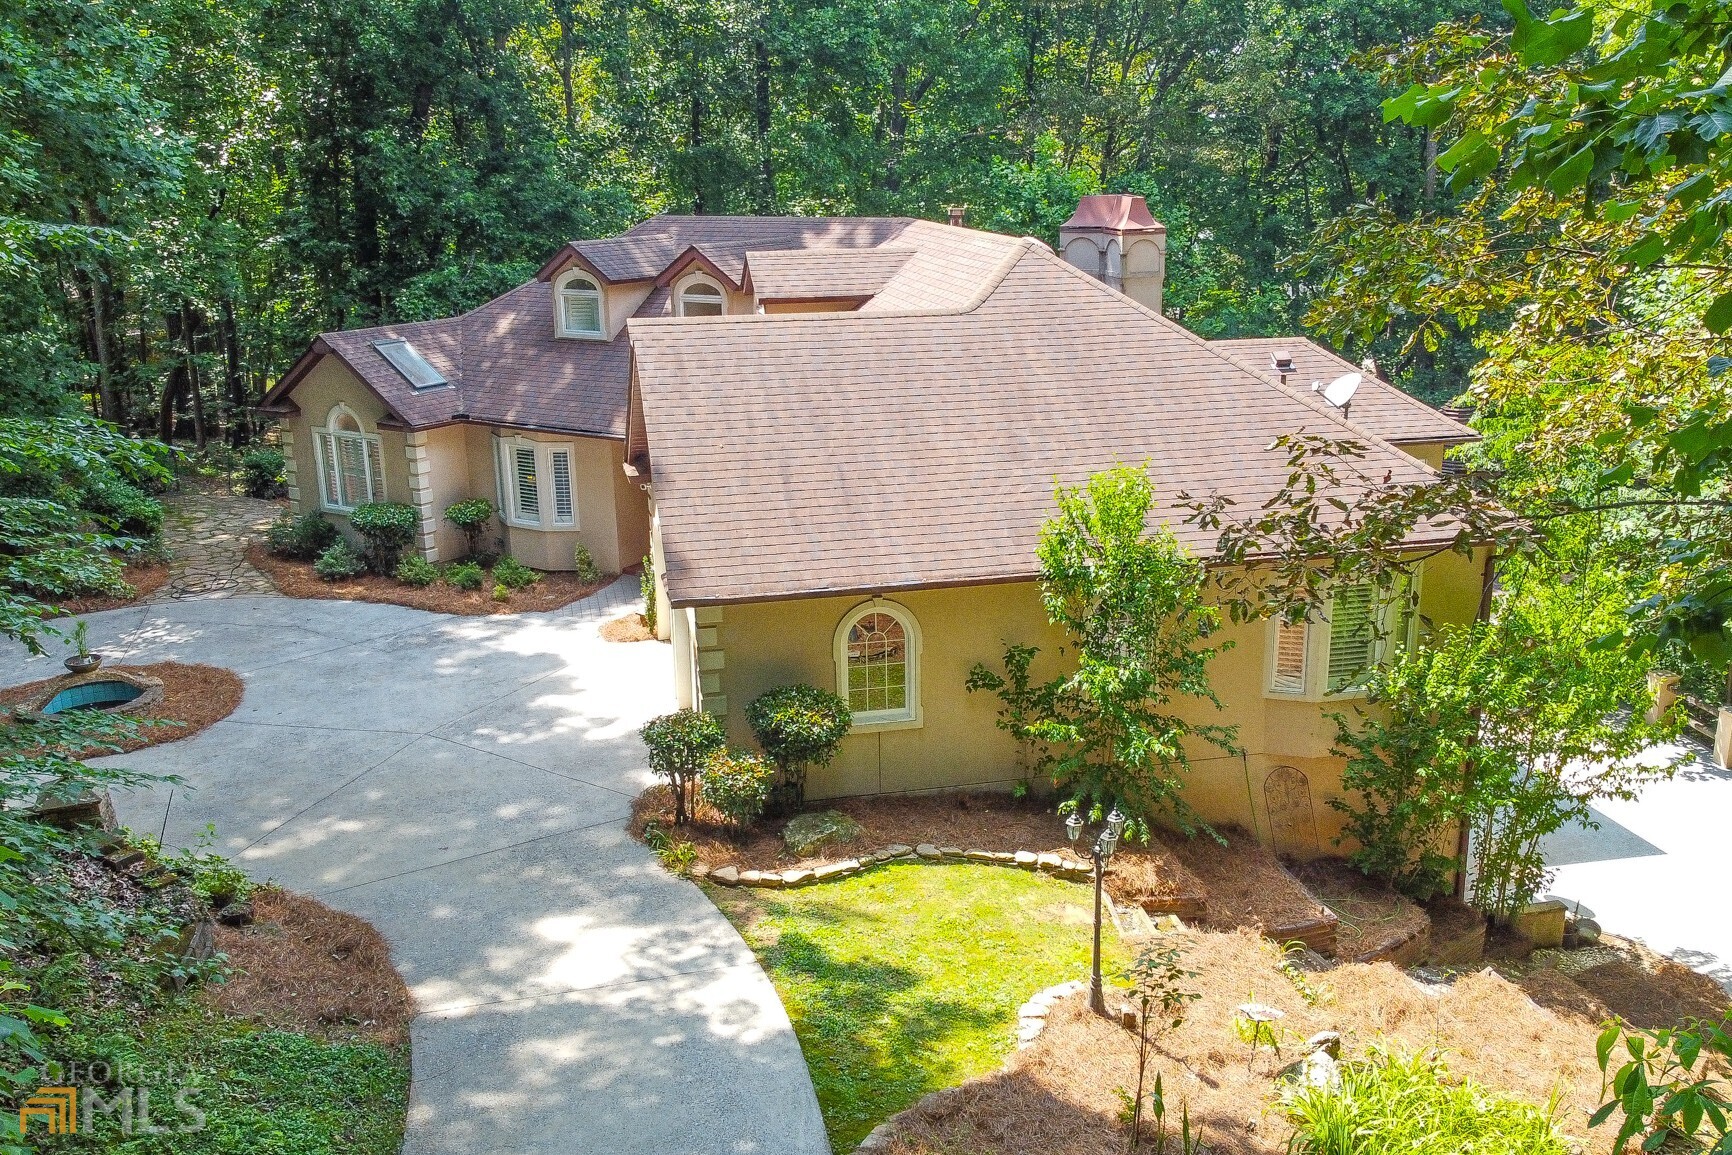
[[580, 308], [701, 299], [350, 472], [878, 664]]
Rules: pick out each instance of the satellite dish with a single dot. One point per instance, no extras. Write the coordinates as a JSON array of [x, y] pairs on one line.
[[1341, 390]]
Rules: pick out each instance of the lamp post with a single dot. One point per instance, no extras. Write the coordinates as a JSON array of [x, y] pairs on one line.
[[1106, 842]]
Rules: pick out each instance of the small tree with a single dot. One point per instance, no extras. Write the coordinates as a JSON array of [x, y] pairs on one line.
[[472, 517], [680, 745], [1130, 600], [646, 584], [1158, 980], [799, 726]]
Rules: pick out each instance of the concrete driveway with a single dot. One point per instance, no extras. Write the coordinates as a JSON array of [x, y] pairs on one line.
[[462, 784], [1654, 870]]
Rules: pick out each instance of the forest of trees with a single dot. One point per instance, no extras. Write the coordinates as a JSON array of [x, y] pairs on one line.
[[190, 189]]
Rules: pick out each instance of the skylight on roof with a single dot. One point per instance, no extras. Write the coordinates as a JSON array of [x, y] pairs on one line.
[[406, 360]]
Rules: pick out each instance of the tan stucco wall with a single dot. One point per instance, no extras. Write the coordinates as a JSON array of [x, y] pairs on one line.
[[458, 462], [1430, 452], [740, 651], [811, 306]]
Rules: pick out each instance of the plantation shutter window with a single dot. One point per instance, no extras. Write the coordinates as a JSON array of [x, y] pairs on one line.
[[528, 495], [537, 487], [580, 308], [563, 513], [1352, 635], [350, 467], [1291, 639]]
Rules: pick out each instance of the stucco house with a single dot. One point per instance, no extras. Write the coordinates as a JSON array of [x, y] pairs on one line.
[[838, 439]]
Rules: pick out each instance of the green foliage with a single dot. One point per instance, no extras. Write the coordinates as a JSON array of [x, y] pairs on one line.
[[1022, 704], [675, 854], [513, 574], [1390, 1103], [465, 575], [301, 538], [799, 726], [1159, 983], [906, 979], [738, 783], [1130, 602], [262, 470], [387, 527], [473, 517], [681, 746], [646, 584], [417, 571], [1669, 1086], [501, 592], [1515, 726], [339, 561], [584, 565], [210, 876]]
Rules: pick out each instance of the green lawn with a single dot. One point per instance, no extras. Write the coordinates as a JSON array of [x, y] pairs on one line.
[[906, 979]]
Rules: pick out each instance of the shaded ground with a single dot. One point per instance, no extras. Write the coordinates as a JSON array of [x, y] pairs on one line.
[[907, 978], [145, 578], [296, 579], [1374, 918]]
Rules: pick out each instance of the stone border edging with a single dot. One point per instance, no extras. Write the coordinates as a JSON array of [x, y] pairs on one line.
[[1030, 1021], [1058, 865]]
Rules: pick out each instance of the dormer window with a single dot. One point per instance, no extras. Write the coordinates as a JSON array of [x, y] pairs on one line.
[[580, 308], [701, 299]]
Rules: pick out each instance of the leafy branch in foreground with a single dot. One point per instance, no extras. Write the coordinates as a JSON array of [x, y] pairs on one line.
[[1667, 1086]]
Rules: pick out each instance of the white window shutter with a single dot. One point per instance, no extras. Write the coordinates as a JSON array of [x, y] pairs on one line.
[[352, 468], [375, 470], [582, 311], [1289, 676], [523, 474], [563, 512], [1352, 639], [328, 469]]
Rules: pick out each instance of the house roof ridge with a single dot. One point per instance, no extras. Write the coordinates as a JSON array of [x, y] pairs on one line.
[[1402, 395]]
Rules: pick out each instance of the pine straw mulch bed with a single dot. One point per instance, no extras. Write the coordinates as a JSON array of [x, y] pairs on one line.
[[296, 579], [627, 628], [1375, 920], [1620, 977], [304, 967], [1149, 875], [1060, 1094], [194, 698], [1247, 886], [145, 578]]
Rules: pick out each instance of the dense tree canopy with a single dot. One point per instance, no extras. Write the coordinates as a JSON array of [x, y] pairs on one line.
[[189, 189]]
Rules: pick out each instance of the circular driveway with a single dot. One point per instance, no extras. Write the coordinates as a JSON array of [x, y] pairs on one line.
[[462, 783]]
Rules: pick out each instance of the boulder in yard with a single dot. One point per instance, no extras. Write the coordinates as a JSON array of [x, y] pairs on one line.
[[806, 832]]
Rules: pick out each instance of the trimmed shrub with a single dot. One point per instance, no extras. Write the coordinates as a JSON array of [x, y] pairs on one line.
[[646, 585], [680, 745], [799, 726], [262, 472], [465, 575], [587, 571], [416, 570], [513, 574], [340, 561], [121, 507], [501, 593], [738, 783], [472, 517], [387, 527], [302, 538]]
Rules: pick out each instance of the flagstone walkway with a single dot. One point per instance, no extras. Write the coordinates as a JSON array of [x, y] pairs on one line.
[[207, 536]]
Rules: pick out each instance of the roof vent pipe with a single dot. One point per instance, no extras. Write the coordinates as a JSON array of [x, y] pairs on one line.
[[956, 214], [1282, 363]]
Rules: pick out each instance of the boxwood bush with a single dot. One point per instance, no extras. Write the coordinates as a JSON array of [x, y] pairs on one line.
[[339, 561], [302, 538], [464, 575], [738, 784], [417, 571], [513, 574], [472, 517], [387, 527]]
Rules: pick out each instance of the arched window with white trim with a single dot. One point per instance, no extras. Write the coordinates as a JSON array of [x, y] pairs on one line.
[[580, 307], [350, 469], [878, 664], [702, 299]]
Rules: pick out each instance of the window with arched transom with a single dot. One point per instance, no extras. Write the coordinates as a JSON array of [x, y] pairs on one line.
[[878, 664]]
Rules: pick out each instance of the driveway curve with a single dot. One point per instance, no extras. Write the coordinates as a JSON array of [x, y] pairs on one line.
[[462, 783]]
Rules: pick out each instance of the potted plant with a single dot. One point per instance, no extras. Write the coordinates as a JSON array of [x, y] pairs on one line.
[[83, 661]]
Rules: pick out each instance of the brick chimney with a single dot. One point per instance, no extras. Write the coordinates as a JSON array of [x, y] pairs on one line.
[[1112, 237], [957, 213]]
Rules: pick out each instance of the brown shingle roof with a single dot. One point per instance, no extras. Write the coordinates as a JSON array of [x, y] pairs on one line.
[[643, 251], [818, 274], [1377, 406], [804, 455]]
